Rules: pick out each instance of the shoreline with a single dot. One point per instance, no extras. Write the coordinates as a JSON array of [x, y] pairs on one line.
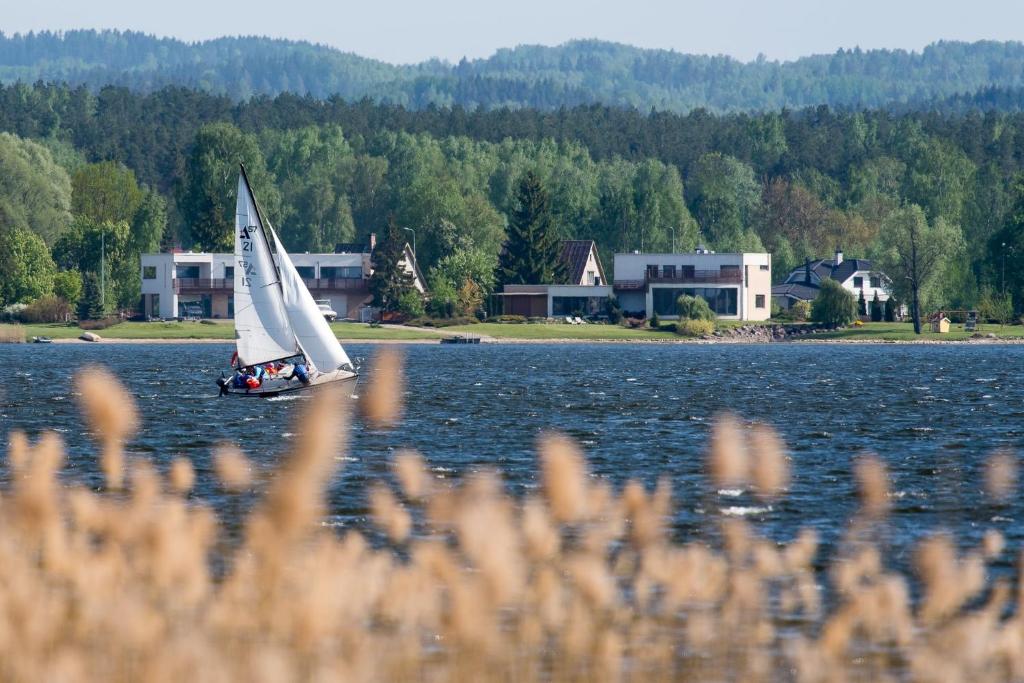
[[510, 340]]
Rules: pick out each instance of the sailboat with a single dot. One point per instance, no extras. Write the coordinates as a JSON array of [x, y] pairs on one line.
[[282, 340]]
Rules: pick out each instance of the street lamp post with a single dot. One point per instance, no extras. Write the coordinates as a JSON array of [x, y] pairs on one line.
[[1004, 269], [102, 270]]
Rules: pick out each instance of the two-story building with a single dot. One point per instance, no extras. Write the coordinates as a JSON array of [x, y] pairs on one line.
[[184, 283], [736, 286], [856, 275]]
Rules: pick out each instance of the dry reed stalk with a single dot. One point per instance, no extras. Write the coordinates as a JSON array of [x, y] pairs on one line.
[[873, 481], [727, 454], [111, 412], [232, 467], [769, 468], [1001, 475], [381, 402], [581, 583]]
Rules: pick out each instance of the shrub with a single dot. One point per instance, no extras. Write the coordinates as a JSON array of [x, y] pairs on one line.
[[693, 308], [99, 323], [654, 322], [46, 309], [834, 305], [410, 304], [890, 310], [441, 322], [876, 310], [613, 310], [800, 310], [507, 318], [204, 321], [694, 328]]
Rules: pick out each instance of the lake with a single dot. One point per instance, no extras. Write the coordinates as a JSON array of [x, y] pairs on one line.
[[933, 413]]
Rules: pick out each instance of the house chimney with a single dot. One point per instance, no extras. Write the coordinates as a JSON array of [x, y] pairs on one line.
[[839, 256], [373, 241]]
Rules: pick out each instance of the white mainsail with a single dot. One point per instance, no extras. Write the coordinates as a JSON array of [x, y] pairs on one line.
[[318, 343], [262, 329]]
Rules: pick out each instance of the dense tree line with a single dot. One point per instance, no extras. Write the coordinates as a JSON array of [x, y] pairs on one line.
[[576, 73], [798, 183]]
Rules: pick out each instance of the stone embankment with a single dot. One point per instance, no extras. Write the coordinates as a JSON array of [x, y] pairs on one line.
[[771, 333]]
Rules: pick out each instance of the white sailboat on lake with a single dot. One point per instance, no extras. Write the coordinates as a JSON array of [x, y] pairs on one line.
[[282, 340]]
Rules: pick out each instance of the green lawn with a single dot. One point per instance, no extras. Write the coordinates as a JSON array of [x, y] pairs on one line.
[[559, 331], [221, 330], [905, 332]]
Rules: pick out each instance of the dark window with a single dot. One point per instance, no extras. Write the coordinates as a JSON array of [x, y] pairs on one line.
[[306, 272], [722, 300], [571, 305], [148, 272], [858, 283], [759, 300], [764, 267], [336, 272], [688, 272], [668, 271], [229, 272], [652, 271], [876, 281], [187, 271]]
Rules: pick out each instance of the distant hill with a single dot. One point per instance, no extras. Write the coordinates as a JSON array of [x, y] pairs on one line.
[[576, 73]]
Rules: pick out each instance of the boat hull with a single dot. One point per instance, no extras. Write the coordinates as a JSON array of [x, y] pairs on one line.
[[276, 387]]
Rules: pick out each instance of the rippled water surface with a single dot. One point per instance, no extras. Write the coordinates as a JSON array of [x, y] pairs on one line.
[[934, 413]]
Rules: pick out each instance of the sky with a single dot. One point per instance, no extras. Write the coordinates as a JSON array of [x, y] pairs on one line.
[[405, 31]]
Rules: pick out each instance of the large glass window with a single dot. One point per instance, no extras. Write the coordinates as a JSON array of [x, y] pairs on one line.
[[187, 271], [652, 270], [572, 305], [335, 272], [306, 272], [669, 271], [722, 300]]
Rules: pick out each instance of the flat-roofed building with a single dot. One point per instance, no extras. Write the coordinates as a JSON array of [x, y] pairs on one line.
[[736, 286], [201, 284]]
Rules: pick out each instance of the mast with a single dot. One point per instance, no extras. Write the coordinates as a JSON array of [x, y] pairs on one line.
[[259, 214]]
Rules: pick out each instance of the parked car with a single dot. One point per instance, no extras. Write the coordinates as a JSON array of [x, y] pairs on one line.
[[325, 308]]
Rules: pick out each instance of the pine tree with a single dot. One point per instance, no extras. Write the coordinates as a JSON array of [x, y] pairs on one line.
[[89, 305], [532, 253], [876, 309], [862, 304], [390, 280]]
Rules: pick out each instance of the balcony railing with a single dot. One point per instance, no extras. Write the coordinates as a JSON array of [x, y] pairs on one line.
[[684, 278], [202, 284], [205, 285], [335, 283]]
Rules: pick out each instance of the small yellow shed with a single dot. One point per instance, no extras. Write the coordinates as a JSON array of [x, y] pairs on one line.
[[941, 325]]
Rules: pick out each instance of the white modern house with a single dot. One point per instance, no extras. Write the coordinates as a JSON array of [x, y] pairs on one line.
[[855, 275], [182, 283], [737, 286]]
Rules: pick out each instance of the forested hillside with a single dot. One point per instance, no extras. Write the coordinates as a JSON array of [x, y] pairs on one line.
[[576, 73], [797, 183]]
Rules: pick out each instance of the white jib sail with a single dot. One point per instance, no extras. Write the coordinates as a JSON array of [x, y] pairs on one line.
[[318, 343], [262, 330]]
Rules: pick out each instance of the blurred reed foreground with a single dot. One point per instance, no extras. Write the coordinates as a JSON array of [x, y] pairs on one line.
[[579, 583]]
